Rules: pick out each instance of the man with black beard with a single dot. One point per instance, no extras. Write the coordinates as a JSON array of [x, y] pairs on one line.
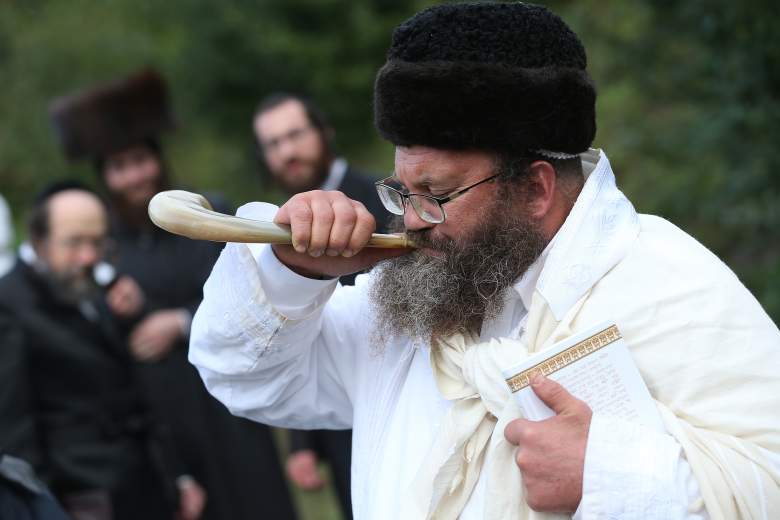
[[523, 240], [70, 403]]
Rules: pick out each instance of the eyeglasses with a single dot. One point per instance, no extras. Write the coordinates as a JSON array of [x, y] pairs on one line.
[[295, 135], [427, 207], [99, 244]]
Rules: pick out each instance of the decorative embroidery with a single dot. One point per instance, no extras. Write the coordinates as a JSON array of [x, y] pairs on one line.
[[556, 155], [567, 357], [577, 276], [251, 316], [600, 229]]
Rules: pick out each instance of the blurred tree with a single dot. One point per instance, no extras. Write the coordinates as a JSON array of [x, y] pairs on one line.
[[688, 96], [220, 59], [692, 95]]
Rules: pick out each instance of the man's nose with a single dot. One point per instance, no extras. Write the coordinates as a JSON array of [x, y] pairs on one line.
[[88, 255], [134, 173], [286, 149], [412, 220]]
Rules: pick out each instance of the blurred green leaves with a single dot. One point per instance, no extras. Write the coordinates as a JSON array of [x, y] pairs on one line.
[[688, 109]]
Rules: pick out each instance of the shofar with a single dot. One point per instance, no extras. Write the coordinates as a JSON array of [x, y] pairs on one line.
[[190, 215]]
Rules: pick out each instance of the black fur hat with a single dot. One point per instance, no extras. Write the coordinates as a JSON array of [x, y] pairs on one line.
[[491, 76], [112, 116]]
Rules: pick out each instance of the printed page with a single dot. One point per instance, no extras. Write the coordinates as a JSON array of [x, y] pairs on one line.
[[595, 366]]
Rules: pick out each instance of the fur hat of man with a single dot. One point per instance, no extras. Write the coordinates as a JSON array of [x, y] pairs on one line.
[[503, 77], [112, 116]]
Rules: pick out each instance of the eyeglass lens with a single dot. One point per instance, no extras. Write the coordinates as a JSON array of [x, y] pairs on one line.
[[392, 200], [426, 208]]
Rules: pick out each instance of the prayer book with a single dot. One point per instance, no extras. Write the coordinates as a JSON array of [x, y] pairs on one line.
[[594, 366]]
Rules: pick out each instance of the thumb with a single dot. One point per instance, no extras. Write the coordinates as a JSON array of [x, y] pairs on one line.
[[553, 394]]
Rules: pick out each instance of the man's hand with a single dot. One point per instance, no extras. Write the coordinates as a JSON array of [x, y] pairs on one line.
[[302, 469], [551, 453], [125, 298], [329, 234], [192, 499], [155, 336]]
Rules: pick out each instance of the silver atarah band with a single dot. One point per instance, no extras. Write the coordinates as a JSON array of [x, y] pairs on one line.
[[556, 155]]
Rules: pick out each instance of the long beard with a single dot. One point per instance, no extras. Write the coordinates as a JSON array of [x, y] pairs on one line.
[[319, 169], [422, 296], [72, 287]]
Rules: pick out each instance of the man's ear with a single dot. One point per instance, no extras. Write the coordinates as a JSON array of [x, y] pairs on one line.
[[541, 189]]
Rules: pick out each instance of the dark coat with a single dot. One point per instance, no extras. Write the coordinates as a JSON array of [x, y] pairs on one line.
[[360, 187], [69, 402], [235, 459]]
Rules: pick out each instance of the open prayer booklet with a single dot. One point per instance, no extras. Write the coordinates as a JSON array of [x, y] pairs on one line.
[[595, 366]]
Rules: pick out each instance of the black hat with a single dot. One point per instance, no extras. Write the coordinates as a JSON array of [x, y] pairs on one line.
[[491, 76], [112, 116]]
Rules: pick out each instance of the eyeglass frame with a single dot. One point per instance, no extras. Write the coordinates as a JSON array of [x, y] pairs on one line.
[[75, 243], [440, 201], [295, 135]]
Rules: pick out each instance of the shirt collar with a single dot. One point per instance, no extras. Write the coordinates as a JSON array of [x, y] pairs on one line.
[[527, 284], [338, 169]]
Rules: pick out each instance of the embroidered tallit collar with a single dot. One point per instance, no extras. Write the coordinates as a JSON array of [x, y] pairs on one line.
[[596, 235]]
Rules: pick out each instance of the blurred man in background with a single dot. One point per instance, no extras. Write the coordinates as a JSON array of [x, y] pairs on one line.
[[296, 147], [295, 144], [70, 402], [118, 126]]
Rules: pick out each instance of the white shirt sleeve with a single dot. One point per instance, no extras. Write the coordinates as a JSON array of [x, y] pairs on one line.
[[632, 472], [266, 347], [292, 295]]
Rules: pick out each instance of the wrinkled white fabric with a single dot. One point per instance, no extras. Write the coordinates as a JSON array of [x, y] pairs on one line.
[[633, 472], [469, 373], [466, 376], [304, 358]]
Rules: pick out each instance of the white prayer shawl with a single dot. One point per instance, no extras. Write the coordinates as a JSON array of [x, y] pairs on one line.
[[709, 355]]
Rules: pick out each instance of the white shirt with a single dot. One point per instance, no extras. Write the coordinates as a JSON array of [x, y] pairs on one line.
[[336, 173], [290, 351]]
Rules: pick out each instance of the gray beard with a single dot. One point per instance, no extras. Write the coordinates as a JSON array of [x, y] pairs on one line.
[[69, 288], [422, 297]]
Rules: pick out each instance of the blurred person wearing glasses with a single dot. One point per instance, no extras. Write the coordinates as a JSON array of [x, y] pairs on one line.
[[295, 143], [119, 125], [70, 401], [523, 240]]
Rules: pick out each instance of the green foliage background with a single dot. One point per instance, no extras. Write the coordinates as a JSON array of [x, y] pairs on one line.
[[689, 95], [689, 98]]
